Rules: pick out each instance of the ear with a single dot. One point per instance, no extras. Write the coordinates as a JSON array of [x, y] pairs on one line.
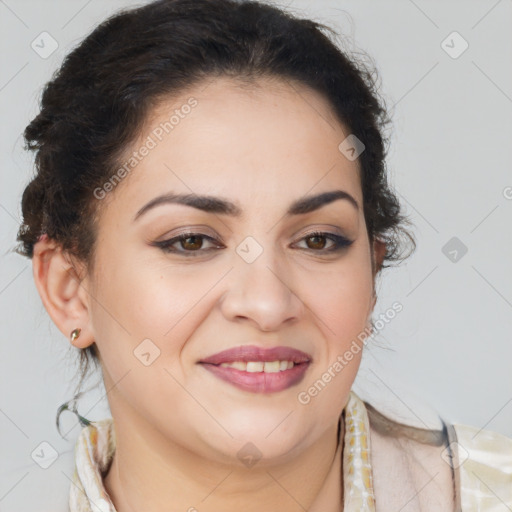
[[62, 291], [378, 254], [379, 251]]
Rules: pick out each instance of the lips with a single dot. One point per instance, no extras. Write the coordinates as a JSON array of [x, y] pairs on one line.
[[259, 381], [248, 353]]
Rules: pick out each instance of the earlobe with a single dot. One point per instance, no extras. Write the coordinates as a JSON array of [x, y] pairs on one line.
[[61, 292]]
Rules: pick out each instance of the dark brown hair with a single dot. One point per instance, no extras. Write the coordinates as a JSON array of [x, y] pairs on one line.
[[96, 103]]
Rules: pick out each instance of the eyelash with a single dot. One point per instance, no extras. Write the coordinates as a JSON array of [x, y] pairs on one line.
[[340, 243]]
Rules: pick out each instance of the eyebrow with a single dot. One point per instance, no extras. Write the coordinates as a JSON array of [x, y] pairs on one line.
[[218, 205]]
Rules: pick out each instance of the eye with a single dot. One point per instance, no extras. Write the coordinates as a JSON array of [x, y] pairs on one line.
[[190, 243], [319, 241]]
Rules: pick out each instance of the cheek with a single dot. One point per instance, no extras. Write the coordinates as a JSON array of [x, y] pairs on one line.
[[140, 300], [342, 311], [344, 303]]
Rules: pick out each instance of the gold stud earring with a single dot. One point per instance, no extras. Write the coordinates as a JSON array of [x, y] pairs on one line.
[[75, 333]]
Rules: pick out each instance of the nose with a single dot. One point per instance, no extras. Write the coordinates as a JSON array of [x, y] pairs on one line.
[[262, 292]]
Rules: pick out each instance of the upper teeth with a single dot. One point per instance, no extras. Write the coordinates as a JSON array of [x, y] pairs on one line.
[[260, 366]]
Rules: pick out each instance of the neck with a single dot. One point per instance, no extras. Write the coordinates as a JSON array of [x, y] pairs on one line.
[[151, 473]]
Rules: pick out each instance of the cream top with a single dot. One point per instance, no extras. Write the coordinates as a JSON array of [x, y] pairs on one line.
[[480, 461]]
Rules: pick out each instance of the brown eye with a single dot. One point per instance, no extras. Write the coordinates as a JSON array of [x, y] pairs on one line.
[[190, 244], [317, 242]]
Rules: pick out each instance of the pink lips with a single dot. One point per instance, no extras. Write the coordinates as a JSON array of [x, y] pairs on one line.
[[254, 353], [259, 382]]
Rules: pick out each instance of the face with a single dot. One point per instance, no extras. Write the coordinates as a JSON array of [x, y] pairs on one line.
[[249, 274]]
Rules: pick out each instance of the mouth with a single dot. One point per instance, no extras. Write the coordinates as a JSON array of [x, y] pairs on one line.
[[253, 353], [257, 369]]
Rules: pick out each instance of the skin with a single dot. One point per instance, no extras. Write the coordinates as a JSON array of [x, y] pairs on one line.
[[178, 427]]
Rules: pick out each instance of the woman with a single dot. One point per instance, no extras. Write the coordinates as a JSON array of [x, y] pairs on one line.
[[209, 217]]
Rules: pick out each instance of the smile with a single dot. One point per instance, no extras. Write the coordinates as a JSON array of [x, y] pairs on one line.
[[259, 381]]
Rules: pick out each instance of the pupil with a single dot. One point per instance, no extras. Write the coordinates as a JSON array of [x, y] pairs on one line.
[[316, 237], [197, 245]]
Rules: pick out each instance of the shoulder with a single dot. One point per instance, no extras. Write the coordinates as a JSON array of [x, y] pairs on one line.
[[408, 471], [415, 458], [459, 468], [483, 463]]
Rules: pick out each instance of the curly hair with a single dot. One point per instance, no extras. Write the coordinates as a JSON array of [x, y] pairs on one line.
[[96, 103]]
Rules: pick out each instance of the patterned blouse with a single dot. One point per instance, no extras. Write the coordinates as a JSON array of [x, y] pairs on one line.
[[480, 461]]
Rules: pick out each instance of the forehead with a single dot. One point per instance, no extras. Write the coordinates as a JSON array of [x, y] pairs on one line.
[[271, 138]]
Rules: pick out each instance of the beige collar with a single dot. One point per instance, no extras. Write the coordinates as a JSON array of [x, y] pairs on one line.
[[95, 449]]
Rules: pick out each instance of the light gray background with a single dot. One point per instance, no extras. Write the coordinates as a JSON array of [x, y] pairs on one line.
[[449, 350]]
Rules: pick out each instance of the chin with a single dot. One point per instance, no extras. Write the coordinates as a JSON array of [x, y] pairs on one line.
[[272, 437]]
